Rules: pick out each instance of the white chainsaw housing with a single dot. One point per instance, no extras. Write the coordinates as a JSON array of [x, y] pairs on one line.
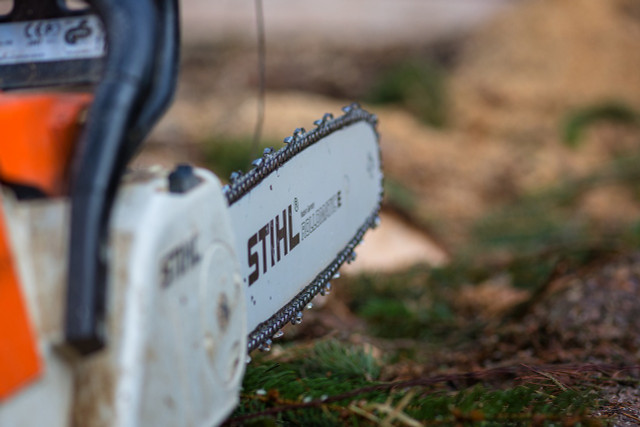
[[176, 318]]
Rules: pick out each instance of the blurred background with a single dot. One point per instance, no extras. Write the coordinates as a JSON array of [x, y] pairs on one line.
[[511, 142], [508, 127], [510, 135]]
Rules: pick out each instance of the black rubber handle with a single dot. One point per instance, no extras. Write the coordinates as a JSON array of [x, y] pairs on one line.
[[138, 83], [135, 84]]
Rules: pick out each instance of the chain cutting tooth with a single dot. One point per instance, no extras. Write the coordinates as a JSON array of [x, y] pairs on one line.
[[267, 152], [309, 306], [324, 120], [266, 346], [299, 133], [278, 334], [288, 140], [257, 162], [351, 108], [298, 319], [327, 288]]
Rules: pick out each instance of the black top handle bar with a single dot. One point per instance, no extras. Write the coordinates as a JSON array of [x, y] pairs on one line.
[[138, 84], [135, 83]]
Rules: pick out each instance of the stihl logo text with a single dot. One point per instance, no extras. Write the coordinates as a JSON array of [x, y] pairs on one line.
[[179, 261], [270, 244]]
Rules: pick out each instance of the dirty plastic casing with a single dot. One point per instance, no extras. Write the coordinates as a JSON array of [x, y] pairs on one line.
[[175, 321]]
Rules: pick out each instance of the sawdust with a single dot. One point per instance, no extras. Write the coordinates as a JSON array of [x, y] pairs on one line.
[[538, 59], [492, 298], [404, 247], [520, 75], [598, 204], [515, 82]]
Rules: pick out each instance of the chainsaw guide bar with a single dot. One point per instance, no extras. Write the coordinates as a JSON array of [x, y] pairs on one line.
[[267, 205]]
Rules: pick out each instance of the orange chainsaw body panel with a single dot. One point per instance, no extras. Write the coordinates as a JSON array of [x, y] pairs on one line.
[[19, 359], [39, 133]]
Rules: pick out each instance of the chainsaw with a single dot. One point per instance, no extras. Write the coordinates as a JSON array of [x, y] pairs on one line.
[[134, 297]]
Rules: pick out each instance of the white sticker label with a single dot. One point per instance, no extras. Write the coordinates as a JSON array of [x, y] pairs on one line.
[[52, 40]]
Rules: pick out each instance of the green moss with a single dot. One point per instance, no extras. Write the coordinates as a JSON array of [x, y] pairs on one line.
[[459, 272], [417, 85], [576, 122], [551, 218], [535, 220], [314, 397], [225, 155], [399, 196], [341, 361], [403, 305], [327, 367]]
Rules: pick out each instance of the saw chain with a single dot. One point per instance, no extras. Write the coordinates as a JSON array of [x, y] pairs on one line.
[[240, 184]]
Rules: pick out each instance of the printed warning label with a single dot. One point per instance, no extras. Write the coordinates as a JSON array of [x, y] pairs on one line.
[[47, 40]]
